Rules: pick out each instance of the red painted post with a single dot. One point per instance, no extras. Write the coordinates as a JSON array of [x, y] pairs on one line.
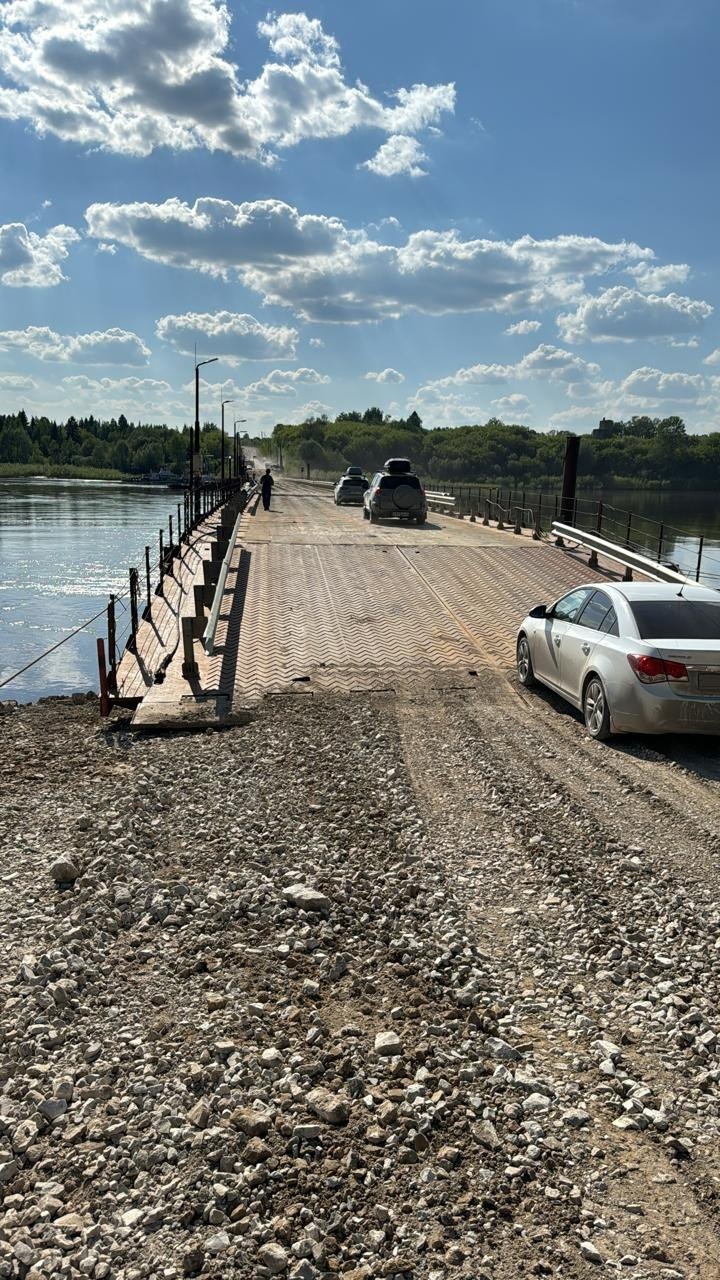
[[104, 698]]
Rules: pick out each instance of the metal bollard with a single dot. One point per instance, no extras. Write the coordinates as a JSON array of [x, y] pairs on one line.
[[112, 672], [104, 699], [160, 566], [189, 666], [486, 517], [538, 518], [147, 582], [133, 609], [199, 618], [517, 528]]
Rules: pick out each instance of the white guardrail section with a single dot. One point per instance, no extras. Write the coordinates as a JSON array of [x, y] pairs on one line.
[[623, 555], [208, 638]]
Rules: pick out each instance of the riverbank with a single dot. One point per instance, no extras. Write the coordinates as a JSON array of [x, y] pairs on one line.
[[309, 998]]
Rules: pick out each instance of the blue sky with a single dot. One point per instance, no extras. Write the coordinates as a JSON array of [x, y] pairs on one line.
[[501, 207]]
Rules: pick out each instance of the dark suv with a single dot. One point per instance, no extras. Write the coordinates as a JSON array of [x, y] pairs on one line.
[[395, 491]]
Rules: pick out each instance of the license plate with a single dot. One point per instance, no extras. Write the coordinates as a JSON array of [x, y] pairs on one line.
[[708, 682]]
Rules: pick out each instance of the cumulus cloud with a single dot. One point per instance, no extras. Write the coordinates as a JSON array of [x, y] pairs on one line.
[[385, 375], [326, 271], [111, 346], [316, 342], [28, 259], [513, 405], [230, 335], [648, 387], [399, 155], [545, 363], [313, 409], [283, 382], [713, 358], [524, 327], [654, 279], [137, 386], [620, 314], [130, 78], [15, 382]]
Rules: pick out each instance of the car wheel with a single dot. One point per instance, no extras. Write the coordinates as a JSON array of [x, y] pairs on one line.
[[421, 519], [373, 517], [526, 674], [595, 709]]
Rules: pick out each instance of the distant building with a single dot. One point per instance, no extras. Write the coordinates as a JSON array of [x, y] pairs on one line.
[[607, 428]]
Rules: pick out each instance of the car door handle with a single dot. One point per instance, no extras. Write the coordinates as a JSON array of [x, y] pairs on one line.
[[557, 640], [586, 648]]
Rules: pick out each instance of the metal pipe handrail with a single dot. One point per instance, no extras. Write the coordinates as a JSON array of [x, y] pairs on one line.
[[623, 555], [208, 638]]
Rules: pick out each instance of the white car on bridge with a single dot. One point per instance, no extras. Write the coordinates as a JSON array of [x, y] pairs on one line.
[[634, 657]]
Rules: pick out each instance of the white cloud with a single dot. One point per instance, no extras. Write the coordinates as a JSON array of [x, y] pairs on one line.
[[136, 76], [399, 155], [514, 405], [128, 386], [112, 346], [523, 327], [545, 363], [650, 387], [385, 375], [713, 358], [313, 409], [316, 342], [15, 382], [32, 260], [229, 335], [283, 382], [326, 271], [652, 279], [620, 314]]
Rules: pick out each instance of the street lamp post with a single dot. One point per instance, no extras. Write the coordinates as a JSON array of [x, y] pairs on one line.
[[235, 446], [222, 439], [195, 449]]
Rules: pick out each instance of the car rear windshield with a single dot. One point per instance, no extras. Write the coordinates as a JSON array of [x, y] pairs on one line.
[[677, 619], [392, 482], [351, 480]]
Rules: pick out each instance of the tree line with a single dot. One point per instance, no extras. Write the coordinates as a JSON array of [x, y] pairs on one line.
[[643, 451], [91, 444]]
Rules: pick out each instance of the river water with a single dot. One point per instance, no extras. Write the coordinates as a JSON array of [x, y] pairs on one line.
[[65, 544]]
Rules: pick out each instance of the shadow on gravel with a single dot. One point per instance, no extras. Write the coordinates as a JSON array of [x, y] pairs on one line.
[[698, 753]]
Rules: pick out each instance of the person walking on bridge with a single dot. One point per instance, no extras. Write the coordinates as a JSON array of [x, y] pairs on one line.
[[266, 484]]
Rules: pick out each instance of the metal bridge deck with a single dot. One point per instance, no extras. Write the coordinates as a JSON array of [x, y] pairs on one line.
[[320, 601]]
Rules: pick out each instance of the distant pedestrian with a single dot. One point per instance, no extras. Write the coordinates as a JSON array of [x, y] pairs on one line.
[[266, 484]]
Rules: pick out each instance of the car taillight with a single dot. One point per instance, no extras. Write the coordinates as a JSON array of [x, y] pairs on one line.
[[656, 670], [422, 492]]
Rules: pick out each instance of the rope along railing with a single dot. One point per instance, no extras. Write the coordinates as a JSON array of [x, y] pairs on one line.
[[181, 524]]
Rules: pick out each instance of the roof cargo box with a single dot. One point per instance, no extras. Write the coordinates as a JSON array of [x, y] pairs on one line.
[[396, 466]]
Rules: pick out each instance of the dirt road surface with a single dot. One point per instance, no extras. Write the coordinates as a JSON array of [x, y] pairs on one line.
[[418, 986]]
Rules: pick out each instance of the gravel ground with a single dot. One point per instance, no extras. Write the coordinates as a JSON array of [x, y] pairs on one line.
[[415, 988]]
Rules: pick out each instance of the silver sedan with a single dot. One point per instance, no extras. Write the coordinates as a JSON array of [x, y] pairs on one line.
[[634, 657]]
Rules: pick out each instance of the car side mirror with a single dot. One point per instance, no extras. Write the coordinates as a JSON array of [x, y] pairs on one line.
[[541, 611]]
